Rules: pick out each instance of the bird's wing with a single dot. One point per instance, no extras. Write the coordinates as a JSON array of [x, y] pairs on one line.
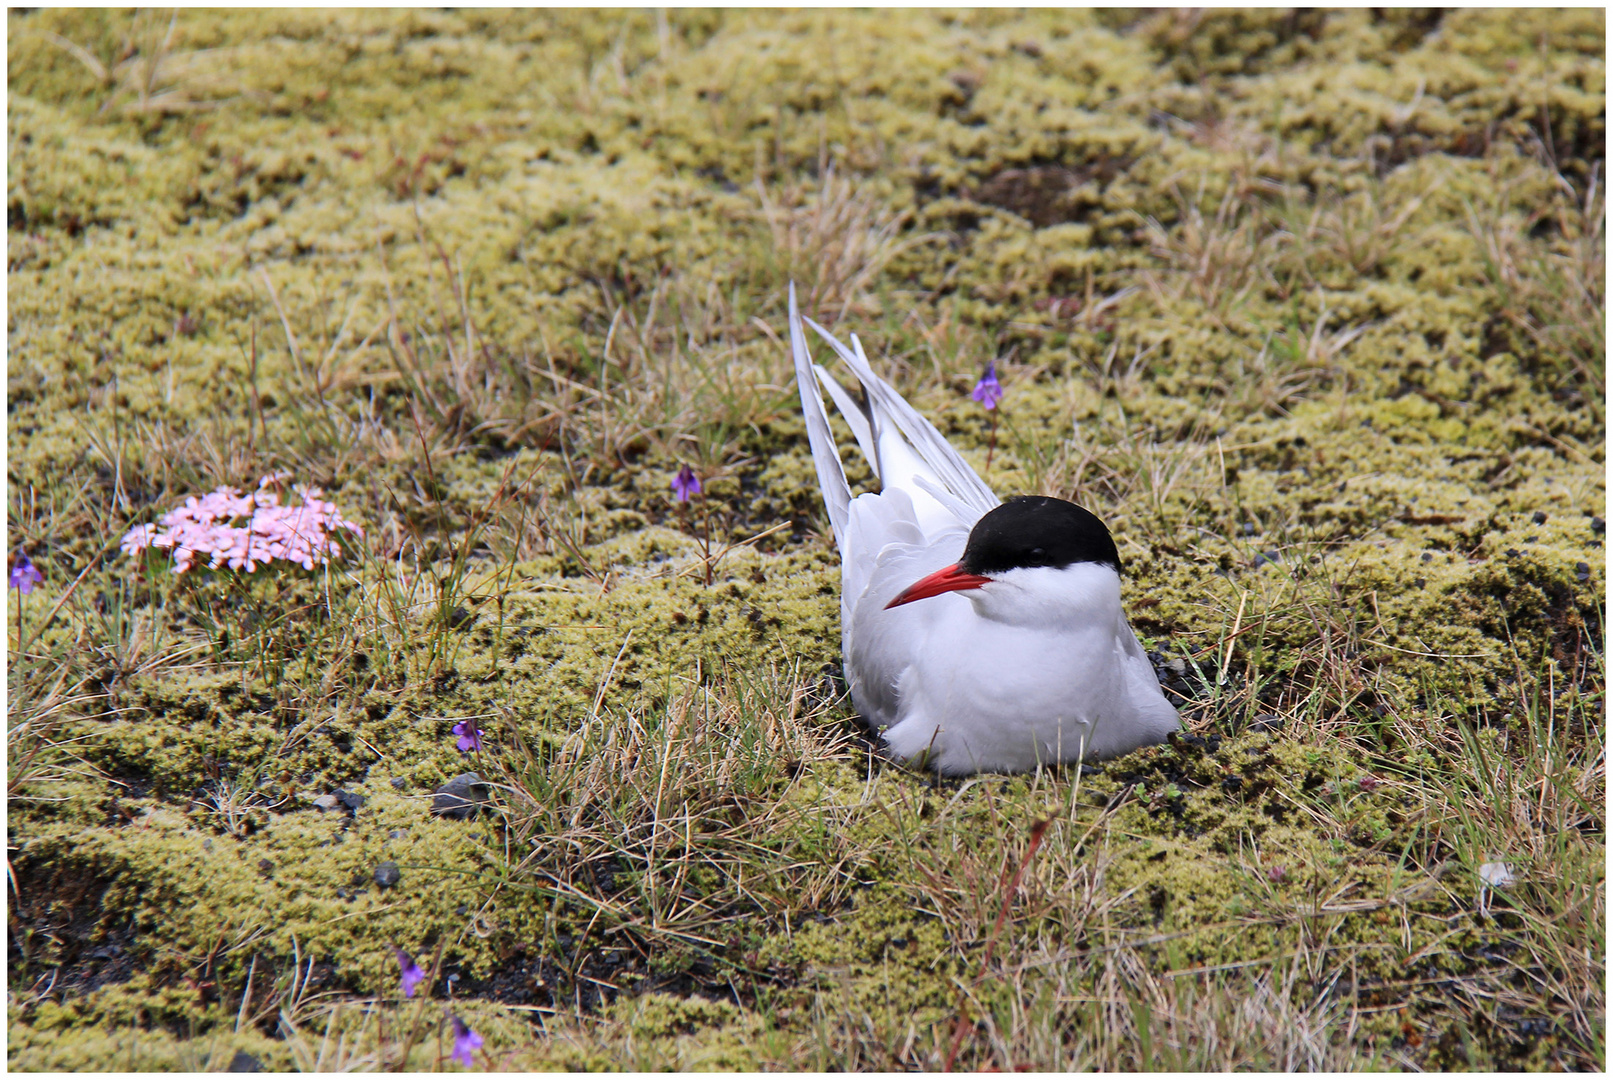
[[882, 645], [919, 450]]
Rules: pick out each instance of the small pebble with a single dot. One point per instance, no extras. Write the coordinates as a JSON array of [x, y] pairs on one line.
[[396, 834], [399, 783], [1598, 526], [1428, 556], [388, 874], [244, 1062], [1534, 1028], [1582, 571], [326, 803], [460, 797], [1539, 517], [349, 800]]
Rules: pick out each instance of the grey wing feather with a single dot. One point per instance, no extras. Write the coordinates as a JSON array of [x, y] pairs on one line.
[[932, 449]]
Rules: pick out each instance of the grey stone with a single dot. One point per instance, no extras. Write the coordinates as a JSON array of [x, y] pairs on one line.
[[326, 803], [387, 874], [461, 797]]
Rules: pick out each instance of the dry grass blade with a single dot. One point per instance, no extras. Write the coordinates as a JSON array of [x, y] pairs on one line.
[[835, 237]]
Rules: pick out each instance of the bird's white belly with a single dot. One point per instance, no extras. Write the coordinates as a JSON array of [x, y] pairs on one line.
[[1010, 701], [969, 694]]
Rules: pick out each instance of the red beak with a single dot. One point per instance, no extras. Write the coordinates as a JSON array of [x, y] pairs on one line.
[[949, 579]]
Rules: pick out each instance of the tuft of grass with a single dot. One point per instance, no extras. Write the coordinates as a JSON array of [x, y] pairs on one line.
[[145, 74], [835, 237]]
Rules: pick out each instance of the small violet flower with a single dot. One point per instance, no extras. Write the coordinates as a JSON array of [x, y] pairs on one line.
[[470, 739], [24, 574], [685, 484], [466, 1042], [412, 975], [988, 391]]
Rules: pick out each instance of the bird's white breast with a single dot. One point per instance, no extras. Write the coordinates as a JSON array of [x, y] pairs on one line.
[[1035, 668]]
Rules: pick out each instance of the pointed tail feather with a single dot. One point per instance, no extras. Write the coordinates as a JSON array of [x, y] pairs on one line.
[[943, 462], [857, 417], [825, 455]]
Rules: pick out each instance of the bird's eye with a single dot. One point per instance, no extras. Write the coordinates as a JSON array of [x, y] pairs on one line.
[[1037, 551]]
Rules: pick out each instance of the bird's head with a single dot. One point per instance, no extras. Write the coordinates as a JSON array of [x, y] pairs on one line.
[[1028, 532]]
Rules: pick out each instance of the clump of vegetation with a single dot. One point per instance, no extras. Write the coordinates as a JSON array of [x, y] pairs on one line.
[[1308, 306]]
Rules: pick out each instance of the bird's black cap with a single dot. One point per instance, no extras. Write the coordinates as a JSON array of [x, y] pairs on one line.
[[1034, 530]]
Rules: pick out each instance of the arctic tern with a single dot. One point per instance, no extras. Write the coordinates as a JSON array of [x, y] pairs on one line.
[[977, 635]]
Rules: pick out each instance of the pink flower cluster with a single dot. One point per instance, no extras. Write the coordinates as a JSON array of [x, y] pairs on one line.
[[303, 534]]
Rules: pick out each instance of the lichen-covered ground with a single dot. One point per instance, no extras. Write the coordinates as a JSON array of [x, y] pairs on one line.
[[1308, 306]]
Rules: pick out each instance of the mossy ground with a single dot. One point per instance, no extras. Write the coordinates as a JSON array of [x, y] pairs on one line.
[[1309, 306]]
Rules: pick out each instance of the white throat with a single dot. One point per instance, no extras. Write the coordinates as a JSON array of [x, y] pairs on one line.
[[1046, 596]]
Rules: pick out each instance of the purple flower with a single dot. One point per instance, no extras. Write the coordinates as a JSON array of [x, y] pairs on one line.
[[685, 484], [412, 975], [469, 737], [24, 574], [466, 1042], [988, 391]]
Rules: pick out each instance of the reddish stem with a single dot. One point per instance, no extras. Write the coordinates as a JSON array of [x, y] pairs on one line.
[[991, 943]]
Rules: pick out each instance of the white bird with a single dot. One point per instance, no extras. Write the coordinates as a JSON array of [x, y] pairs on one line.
[[977, 635]]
